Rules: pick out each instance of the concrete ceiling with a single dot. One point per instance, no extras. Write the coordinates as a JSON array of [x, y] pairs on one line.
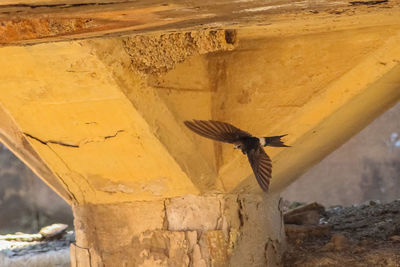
[[100, 119], [34, 21]]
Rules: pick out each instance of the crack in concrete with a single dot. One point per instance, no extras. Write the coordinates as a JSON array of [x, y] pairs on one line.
[[367, 3], [189, 254], [104, 137], [72, 196], [280, 209], [271, 242], [114, 135], [240, 212], [88, 251], [220, 218], [46, 142], [66, 165], [165, 222], [50, 141]]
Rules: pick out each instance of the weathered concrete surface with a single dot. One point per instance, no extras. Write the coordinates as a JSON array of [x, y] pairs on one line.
[[92, 90], [99, 116], [12, 137], [214, 230], [72, 88], [283, 93], [30, 21], [105, 116]]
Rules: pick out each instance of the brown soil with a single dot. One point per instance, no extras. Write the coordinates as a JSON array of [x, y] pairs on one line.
[[360, 235]]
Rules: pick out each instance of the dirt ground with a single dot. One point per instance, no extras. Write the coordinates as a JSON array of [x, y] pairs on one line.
[[366, 235], [360, 235]]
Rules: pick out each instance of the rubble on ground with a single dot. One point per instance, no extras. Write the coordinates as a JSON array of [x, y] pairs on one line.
[[49, 247], [360, 235]]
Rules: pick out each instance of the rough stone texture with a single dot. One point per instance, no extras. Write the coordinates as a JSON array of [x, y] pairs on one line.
[[131, 219], [155, 54], [307, 214], [194, 213], [53, 231], [234, 230], [258, 218], [41, 27]]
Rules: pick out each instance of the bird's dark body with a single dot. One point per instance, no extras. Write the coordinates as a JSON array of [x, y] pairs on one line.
[[249, 143], [251, 146]]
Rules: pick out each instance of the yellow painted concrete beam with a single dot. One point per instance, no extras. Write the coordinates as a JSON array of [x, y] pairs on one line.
[[298, 83], [83, 127], [12, 137], [339, 126], [165, 124], [106, 115]]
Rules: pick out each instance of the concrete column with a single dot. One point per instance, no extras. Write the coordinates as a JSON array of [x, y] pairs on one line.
[[195, 231]]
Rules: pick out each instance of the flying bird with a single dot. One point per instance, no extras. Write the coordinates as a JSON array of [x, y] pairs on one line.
[[248, 144]]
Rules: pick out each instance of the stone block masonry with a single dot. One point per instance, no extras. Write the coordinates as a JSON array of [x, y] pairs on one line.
[[193, 231]]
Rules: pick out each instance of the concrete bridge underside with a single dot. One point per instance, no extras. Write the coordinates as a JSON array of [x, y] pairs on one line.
[[97, 110]]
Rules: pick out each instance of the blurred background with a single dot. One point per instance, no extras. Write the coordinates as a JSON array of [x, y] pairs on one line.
[[26, 202], [367, 167]]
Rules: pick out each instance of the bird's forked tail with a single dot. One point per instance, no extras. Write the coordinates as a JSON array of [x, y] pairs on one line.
[[275, 141]]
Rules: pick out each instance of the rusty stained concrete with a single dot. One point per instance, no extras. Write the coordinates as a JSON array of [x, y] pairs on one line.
[[35, 21]]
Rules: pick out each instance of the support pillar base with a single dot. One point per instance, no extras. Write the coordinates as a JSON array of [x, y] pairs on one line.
[[193, 231]]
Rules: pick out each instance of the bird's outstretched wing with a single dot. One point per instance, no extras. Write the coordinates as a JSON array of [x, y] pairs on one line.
[[217, 130], [261, 165]]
